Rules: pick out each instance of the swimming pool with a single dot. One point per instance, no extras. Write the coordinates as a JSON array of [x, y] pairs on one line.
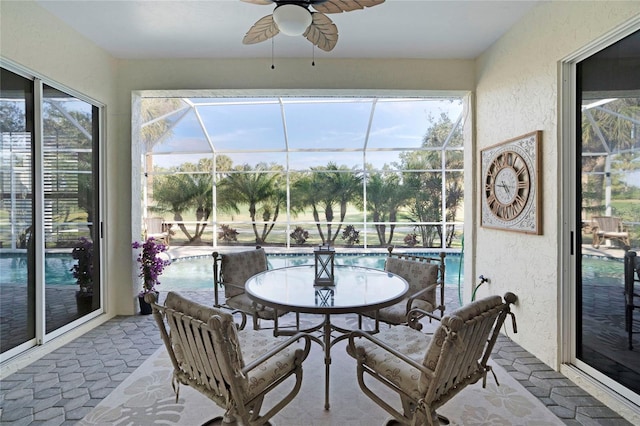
[[57, 266], [197, 272]]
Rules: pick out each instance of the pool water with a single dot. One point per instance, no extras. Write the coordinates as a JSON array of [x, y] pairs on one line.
[[13, 269], [197, 272]]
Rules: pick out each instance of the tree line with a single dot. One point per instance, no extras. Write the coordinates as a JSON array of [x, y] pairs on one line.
[[410, 189]]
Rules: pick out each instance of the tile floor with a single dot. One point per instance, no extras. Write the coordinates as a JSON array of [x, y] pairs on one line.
[[63, 386]]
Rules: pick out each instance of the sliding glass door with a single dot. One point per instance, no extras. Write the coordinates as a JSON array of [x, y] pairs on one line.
[[17, 263], [49, 211], [608, 188]]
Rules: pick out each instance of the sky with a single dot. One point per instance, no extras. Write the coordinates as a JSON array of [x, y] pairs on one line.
[[261, 131]]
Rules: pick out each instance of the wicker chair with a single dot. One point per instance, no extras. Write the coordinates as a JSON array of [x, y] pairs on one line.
[[231, 271], [235, 369], [425, 370], [425, 276]]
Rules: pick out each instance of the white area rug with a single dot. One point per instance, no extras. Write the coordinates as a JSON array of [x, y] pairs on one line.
[[146, 398]]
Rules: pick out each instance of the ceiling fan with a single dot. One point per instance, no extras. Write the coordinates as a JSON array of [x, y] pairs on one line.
[[293, 17]]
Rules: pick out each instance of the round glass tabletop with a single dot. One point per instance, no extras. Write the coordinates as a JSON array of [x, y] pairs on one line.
[[355, 289]]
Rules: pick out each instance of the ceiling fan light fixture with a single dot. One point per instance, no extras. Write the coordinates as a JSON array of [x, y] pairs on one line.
[[292, 19]]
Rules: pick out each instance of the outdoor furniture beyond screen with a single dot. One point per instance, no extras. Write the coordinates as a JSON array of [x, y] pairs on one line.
[[631, 276], [157, 229], [425, 276], [355, 290], [425, 370], [609, 227], [235, 369], [231, 270]]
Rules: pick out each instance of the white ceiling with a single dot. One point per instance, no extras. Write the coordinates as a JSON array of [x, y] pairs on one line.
[[144, 29]]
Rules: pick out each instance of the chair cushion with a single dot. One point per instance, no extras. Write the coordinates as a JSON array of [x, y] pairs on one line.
[[418, 275], [237, 268], [243, 303], [255, 343], [397, 314], [405, 340]]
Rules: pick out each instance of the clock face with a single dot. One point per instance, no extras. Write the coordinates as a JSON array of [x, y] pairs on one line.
[[510, 185], [507, 185]]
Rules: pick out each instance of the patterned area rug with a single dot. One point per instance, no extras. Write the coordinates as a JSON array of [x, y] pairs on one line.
[[146, 397]]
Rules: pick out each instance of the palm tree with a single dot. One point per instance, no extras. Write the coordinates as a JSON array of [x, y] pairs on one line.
[[325, 189], [252, 187], [426, 186], [308, 191], [174, 193], [347, 187], [385, 196], [606, 130]]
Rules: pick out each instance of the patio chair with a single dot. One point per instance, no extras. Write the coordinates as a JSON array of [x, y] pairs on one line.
[[155, 227], [426, 370], [631, 276], [609, 227], [231, 271], [234, 368], [425, 276]]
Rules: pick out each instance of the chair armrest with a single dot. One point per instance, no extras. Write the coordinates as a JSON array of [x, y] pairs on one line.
[[293, 339], [358, 333], [418, 313], [420, 293]]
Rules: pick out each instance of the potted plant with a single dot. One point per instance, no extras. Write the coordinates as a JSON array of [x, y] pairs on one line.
[[151, 267], [83, 273]]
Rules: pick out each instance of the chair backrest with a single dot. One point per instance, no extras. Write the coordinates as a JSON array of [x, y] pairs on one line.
[[608, 223], [154, 225], [237, 268], [420, 272], [460, 348], [203, 345]]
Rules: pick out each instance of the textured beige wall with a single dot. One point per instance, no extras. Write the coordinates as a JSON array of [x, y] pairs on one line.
[[36, 40], [517, 92]]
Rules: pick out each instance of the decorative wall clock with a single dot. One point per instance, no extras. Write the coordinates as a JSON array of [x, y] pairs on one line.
[[511, 185]]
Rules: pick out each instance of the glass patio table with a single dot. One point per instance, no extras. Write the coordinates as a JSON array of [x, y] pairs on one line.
[[355, 290]]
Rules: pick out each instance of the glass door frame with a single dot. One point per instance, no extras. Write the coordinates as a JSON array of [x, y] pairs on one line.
[[569, 226], [41, 335]]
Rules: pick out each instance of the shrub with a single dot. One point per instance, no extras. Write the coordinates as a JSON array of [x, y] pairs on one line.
[[411, 239], [299, 235], [351, 235], [227, 233]]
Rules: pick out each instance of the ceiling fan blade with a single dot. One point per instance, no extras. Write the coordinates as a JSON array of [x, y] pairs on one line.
[[339, 6], [261, 2], [322, 32], [262, 30]]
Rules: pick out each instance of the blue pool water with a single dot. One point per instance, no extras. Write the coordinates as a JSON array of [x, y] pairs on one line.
[[197, 272], [13, 269]]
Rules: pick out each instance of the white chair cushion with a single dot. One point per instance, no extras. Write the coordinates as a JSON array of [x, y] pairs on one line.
[[255, 343]]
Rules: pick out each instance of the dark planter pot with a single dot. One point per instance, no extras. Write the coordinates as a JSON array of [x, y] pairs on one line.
[[145, 308], [84, 303]]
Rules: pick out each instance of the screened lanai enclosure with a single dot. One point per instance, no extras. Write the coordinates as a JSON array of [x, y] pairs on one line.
[[295, 171]]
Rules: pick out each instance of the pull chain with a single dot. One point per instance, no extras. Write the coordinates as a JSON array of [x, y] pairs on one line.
[[272, 65], [313, 55]]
